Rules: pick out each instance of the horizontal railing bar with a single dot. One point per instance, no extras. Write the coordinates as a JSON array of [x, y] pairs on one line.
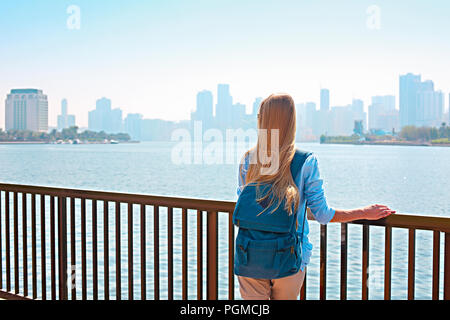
[[410, 222], [11, 296], [188, 203], [397, 220]]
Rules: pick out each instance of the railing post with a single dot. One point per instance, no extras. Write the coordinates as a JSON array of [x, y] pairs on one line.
[[7, 241], [199, 255], [212, 256], [1, 235], [344, 249], [411, 263], [436, 262], [62, 247], [323, 262], [447, 267], [365, 263], [387, 263], [230, 256]]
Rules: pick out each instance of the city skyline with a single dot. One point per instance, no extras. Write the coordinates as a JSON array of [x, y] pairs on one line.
[[150, 57], [220, 110], [249, 108]]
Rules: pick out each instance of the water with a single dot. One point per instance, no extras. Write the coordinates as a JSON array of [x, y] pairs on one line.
[[411, 180]]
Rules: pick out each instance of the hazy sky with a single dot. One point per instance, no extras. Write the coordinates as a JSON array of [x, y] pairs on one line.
[[152, 57]]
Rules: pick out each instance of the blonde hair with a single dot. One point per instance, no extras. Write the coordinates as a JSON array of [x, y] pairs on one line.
[[276, 115]]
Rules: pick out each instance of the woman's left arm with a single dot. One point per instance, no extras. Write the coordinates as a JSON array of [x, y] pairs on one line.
[[373, 212], [317, 202]]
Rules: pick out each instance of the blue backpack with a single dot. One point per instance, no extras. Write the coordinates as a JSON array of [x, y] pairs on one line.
[[267, 245]]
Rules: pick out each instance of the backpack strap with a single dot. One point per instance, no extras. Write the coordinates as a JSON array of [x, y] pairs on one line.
[[297, 164], [298, 161]]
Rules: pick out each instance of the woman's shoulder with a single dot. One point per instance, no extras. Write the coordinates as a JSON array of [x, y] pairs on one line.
[[308, 156], [310, 163]]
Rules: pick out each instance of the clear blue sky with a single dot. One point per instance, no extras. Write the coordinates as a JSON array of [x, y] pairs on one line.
[[152, 57]]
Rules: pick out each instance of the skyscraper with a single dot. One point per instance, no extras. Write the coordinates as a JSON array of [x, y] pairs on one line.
[[342, 121], [359, 114], [103, 118], [430, 108], [204, 110], [224, 106], [256, 106], [383, 114], [133, 125], [238, 115], [26, 109], [324, 100], [311, 118], [65, 120], [409, 87]]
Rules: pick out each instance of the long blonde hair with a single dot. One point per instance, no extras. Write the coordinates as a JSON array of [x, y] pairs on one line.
[[276, 115]]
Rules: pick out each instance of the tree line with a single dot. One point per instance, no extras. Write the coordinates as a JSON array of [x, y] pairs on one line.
[[413, 133], [65, 135]]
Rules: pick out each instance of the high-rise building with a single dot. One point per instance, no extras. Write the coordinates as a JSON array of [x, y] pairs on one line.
[[256, 106], [342, 121], [382, 113], [65, 120], [420, 104], [430, 107], [116, 121], [204, 110], [103, 118], [224, 106], [238, 115], [359, 114], [311, 117], [157, 130], [133, 125], [26, 109], [409, 87], [324, 100]]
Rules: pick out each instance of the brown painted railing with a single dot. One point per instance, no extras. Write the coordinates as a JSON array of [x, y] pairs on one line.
[[55, 212]]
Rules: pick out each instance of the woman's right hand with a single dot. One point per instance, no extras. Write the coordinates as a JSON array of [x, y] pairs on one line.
[[373, 212], [376, 212]]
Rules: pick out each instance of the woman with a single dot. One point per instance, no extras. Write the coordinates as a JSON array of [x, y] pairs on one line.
[[276, 149]]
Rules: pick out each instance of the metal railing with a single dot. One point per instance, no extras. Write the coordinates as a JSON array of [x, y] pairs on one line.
[[58, 218]]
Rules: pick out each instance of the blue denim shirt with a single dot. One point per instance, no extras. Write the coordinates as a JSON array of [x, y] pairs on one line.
[[310, 186]]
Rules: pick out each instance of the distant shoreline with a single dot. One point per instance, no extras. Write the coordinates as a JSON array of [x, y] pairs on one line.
[[390, 143], [22, 142], [52, 143]]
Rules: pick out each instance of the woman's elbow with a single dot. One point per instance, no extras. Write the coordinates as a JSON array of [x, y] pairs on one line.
[[324, 217]]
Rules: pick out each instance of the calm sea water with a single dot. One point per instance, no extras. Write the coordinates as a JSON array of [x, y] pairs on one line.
[[411, 180]]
